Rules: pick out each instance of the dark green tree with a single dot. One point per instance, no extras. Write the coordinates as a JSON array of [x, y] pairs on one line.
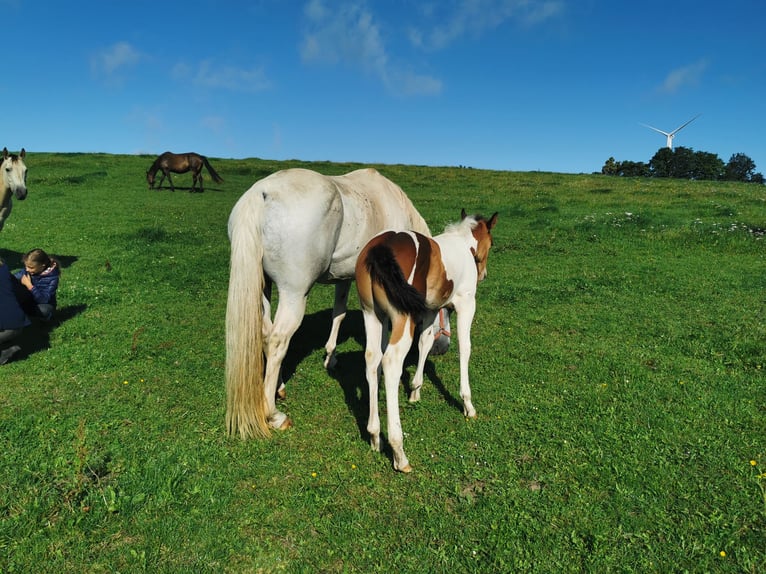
[[739, 168], [633, 169], [708, 166], [685, 163], [610, 167], [682, 163], [661, 165]]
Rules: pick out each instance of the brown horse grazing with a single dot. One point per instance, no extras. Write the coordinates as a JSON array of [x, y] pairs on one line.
[[403, 279], [181, 163], [14, 174]]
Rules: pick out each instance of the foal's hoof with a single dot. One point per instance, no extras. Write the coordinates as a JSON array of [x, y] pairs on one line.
[[330, 361], [282, 394]]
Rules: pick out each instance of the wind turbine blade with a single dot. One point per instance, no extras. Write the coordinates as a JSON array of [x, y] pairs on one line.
[[655, 129], [675, 131]]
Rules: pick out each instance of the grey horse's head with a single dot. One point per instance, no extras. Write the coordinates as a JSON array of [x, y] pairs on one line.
[[14, 172]]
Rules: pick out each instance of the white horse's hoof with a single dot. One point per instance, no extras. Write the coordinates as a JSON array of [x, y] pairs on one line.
[[375, 443], [415, 396], [280, 421], [401, 463]]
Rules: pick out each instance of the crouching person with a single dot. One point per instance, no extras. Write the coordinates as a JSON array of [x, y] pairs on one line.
[[40, 281], [12, 317]]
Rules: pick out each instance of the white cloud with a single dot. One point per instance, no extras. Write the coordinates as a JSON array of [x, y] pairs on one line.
[[682, 77], [115, 58], [210, 75], [350, 35], [475, 16]]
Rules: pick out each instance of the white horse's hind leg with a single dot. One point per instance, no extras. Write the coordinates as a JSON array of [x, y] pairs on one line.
[[289, 315], [338, 314]]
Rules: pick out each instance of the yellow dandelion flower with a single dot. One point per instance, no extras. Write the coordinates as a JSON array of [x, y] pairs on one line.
[[753, 463], [313, 475], [353, 467], [723, 554], [124, 382]]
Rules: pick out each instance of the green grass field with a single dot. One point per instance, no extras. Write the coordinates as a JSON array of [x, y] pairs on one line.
[[619, 350]]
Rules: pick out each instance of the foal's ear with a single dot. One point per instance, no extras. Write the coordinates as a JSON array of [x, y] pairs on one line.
[[463, 214], [492, 221]]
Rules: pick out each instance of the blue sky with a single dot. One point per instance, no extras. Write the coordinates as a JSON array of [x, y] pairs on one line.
[[550, 85]]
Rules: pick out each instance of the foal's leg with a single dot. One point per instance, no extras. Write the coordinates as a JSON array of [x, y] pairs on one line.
[[393, 364], [425, 342], [338, 314], [465, 310], [373, 329], [289, 315]]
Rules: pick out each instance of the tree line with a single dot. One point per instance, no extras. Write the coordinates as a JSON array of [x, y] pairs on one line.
[[685, 163]]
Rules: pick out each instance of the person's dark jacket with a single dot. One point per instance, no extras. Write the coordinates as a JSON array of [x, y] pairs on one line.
[[44, 286], [12, 317]]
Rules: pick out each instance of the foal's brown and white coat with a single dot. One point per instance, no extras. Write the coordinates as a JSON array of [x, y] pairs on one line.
[[405, 277]]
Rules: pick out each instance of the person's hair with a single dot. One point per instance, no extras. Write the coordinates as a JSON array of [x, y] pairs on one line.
[[38, 256]]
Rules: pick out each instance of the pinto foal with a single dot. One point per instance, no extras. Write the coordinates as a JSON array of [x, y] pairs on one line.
[[405, 277]]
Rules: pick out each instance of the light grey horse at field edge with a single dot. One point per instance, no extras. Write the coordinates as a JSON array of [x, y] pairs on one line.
[[292, 229], [14, 182]]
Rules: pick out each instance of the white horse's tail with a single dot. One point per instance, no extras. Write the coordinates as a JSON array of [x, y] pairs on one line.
[[246, 409]]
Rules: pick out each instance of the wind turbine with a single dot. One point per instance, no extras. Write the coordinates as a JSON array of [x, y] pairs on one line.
[[671, 135]]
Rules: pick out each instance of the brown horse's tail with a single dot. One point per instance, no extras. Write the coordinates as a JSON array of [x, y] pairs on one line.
[[384, 270], [246, 408], [213, 173]]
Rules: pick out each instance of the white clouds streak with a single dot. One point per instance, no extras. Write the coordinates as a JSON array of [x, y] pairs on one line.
[[472, 17], [350, 35], [110, 61], [209, 75], [682, 77]]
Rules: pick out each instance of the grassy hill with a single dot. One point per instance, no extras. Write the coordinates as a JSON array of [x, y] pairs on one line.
[[618, 362]]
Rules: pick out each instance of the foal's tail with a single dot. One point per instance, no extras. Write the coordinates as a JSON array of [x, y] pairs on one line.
[[384, 270], [246, 409], [213, 173]]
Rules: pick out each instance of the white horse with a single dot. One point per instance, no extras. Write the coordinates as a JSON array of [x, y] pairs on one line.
[[404, 278], [14, 182], [294, 228]]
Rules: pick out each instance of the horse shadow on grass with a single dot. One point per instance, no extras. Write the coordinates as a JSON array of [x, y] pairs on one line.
[[37, 336], [13, 259], [349, 372]]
